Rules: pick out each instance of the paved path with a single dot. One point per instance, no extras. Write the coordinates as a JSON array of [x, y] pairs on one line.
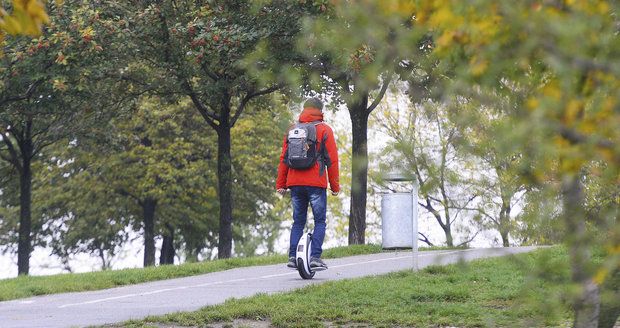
[[191, 293]]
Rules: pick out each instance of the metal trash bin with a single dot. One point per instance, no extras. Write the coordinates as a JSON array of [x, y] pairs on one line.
[[399, 214], [397, 220]]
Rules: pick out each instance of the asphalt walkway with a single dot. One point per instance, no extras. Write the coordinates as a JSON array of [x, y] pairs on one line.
[[191, 293]]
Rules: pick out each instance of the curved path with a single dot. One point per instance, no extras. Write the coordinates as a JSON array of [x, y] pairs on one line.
[[191, 293]]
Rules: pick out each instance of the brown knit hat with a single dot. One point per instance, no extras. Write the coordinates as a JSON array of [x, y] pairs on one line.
[[314, 102]]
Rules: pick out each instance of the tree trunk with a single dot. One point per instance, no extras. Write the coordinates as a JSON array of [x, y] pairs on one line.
[[191, 255], [610, 305], [504, 214], [448, 232], [504, 225], [224, 176], [167, 247], [505, 240], [586, 306], [148, 216], [359, 173], [24, 246], [105, 264]]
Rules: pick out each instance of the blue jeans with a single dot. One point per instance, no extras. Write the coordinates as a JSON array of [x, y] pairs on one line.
[[317, 198]]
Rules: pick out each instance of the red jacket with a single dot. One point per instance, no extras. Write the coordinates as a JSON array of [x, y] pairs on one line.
[[288, 177]]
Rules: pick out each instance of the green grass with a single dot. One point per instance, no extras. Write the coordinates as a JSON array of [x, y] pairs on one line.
[[26, 286], [499, 292]]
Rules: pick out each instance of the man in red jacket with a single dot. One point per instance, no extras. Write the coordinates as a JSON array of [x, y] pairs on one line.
[[309, 185]]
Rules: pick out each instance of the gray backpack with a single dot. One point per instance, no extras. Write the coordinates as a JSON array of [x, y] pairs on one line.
[[301, 151]]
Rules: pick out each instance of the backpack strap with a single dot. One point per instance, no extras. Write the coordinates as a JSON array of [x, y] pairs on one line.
[[323, 157]]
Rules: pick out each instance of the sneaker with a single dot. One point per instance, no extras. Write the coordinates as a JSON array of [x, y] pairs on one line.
[[317, 263], [291, 263]]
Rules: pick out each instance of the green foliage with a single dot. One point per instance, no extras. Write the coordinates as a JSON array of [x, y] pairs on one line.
[[157, 151], [256, 154], [47, 89], [347, 55], [196, 50], [163, 152], [546, 75]]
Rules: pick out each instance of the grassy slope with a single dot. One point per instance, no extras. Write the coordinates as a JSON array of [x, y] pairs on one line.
[[490, 292], [26, 286]]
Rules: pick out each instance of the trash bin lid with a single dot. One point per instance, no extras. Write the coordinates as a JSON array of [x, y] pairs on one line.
[[397, 176]]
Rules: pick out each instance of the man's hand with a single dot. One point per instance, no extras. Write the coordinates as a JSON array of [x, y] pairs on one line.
[[335, 193], [281, 191]]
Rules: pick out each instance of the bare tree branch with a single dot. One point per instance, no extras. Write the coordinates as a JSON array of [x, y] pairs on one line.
[[6, 158], [469, 240], [481, 211], [14, 157], [576, 137], [343, 81], [425, 239], [209, 73], [24, 96], [429, 207], [207, 114], [244, 101], [435, 199], [459, 209], [124, 192], [381, 94]]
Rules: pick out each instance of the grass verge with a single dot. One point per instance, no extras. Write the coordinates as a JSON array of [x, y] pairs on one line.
[[498, 292], [26, 286]]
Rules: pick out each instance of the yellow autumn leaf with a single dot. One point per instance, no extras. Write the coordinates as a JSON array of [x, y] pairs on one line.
[[573, 110], [87, 34], [485, 29], [27, 18], [397, 7], [587, 126], [36, 9], [445, 17], [532, 103], [61, 59], [573, 164], [603, 7], [552, 90], [601, 274], [478, 66], [608, 155], [11, 25], [613, 249], [560, 142], [607, 109], [30, 27], [445, 40], [59, 85]]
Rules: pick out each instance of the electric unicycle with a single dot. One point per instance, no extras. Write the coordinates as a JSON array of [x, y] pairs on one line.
[[302, 257]]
